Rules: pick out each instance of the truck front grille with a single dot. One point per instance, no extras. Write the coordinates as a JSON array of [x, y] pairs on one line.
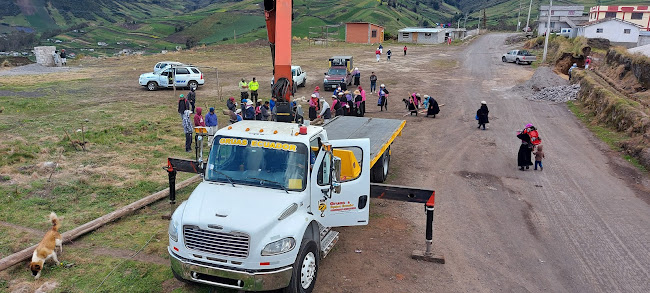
[[227, 244]]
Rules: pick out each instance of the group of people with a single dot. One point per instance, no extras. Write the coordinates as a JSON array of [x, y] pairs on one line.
[[186, 107], [415, 101], [60, 58], [531, 144], [380, 50], [245, 87], [249, 109]]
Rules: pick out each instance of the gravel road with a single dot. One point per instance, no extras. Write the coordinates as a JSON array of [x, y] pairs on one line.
[[581, 225]]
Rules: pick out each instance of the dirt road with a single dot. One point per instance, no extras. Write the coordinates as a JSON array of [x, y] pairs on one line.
[[581, 225]]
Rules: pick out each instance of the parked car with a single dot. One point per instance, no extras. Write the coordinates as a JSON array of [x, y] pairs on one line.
[[186, 76], [299, 76], [519, 57], [164, 64]]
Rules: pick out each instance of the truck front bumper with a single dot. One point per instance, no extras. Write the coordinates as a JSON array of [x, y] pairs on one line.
[[249, 280]]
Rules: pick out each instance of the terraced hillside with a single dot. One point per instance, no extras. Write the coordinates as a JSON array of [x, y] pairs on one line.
[[223, 21]]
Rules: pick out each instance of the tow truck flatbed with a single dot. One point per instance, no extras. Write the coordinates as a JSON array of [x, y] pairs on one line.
[[381, 132]]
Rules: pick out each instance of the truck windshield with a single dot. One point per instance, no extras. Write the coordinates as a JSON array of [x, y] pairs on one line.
[[336, 71], [272, 164]]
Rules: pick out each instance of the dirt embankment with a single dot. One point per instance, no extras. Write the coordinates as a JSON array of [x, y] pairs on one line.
[[617, 95]]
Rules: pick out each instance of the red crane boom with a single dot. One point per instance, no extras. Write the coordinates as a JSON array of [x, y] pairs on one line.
[[278, 14]]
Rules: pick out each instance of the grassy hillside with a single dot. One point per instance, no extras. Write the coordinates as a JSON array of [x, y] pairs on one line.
[[219, 23]]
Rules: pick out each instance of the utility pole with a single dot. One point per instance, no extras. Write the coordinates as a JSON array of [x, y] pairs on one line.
[[518, 15], [548, 30], [528, 19]]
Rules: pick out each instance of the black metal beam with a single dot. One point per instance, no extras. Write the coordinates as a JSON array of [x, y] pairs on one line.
[[182, 165], [400, 193]]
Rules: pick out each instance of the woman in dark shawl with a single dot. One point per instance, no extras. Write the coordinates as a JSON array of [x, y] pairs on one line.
[[433, 108], [482, 115], [524, 155]]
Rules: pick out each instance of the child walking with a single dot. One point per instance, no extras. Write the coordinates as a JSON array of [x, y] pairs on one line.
[[539, 155]]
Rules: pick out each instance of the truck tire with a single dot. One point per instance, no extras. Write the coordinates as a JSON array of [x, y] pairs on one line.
[[503, 59], [379, 171], [152, 86], [193, 84], [304, 83], [517, 61], [305, 270]]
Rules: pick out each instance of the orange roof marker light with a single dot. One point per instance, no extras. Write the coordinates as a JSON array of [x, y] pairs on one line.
[[261, 130], [247, 129], [229, 127], [275, 132]]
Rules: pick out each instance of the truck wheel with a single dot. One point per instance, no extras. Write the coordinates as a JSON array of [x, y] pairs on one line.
[[193, 84], [517, 61], [379, 171], [304, 83], [152, 86], [305, 269], [503, 59]]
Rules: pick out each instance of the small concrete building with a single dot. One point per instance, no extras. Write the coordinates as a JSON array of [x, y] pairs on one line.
[[364, 33], [617, 31], [44, 55], [429, 35], [564, 19]]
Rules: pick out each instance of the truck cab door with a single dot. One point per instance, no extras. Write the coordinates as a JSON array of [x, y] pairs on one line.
[[164, 77], [340, 196]]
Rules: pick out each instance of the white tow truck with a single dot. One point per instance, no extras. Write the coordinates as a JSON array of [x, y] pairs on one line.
[[262, 217]]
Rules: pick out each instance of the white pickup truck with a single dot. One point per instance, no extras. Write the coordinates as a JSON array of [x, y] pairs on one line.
[[261, 218], [299, 76], [519, 57]]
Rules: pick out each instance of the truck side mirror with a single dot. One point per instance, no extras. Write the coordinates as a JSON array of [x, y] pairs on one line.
[[336, 174], [324, 73]]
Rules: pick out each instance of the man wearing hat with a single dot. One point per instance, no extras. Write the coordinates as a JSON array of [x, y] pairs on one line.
[[249, 112], [212, 124], [231, 104], [183, 105], [238, 115]]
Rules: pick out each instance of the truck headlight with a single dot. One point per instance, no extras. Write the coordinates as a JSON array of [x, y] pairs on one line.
[[279, 247], [325, 80], [173, 230]]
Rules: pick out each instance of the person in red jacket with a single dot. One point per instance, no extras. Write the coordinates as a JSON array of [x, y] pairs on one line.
[[198, 118], [378, 54], [404, 50]]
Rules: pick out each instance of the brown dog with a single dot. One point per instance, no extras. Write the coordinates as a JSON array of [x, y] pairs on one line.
[[47, 248]]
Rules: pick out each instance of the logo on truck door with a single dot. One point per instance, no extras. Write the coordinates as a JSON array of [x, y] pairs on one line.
[[322, 206]]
